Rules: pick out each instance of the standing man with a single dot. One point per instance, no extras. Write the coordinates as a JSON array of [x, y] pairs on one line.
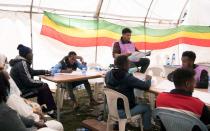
[[126, 47]]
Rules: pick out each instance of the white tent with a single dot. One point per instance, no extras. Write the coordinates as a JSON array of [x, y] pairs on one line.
[[21, 21]]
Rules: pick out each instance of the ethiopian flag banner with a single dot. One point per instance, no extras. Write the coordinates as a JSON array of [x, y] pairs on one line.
[[86, 33]]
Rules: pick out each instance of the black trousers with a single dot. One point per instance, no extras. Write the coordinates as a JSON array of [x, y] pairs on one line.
[[143, 63], [44, 96]]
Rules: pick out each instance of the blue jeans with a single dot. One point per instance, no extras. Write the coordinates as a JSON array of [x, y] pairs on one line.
[[143, 109]]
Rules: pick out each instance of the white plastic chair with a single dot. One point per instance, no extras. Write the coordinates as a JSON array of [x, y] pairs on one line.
[[156, 71], [113, 116], [177, 121]]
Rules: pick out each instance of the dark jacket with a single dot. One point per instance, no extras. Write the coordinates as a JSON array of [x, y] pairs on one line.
[[124, 83], [23, 74], [204, 78], [65, 64], [11, 121]]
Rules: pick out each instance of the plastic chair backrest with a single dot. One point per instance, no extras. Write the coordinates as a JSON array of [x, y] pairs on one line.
[[177, 121], [112, 96]]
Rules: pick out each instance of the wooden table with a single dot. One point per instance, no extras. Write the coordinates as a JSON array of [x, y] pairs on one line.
[[68, 77]]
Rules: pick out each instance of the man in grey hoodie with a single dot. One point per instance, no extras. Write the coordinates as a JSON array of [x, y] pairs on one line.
[[123, 82]]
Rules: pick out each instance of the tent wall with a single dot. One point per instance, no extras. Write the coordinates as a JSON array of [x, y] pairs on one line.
[[15, 29]]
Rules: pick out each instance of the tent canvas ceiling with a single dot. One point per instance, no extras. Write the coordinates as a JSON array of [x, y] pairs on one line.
[[135, 10], [16, 23]]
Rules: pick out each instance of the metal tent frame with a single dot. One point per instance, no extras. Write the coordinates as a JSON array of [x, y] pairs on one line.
[[96, 16]]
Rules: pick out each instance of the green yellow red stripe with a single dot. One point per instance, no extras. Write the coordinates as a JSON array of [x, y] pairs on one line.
[[139, 30], [77, 32]]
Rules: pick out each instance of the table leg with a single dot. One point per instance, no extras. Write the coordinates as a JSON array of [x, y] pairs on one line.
[[152, 100], [58, 96], [105, 109], [152, 103]]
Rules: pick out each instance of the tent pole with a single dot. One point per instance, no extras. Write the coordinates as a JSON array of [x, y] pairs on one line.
[[31, 34], [180, 16], [145, 20], [96, 52], [178, 22], [97, 14]]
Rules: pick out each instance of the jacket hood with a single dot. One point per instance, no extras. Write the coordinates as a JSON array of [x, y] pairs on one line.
[[17, 59], [115, 77]]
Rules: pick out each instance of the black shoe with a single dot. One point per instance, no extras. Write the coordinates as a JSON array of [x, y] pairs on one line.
[[44, 109], [53, 115]]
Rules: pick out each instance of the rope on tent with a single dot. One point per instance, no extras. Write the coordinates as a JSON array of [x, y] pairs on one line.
[[145, 25]]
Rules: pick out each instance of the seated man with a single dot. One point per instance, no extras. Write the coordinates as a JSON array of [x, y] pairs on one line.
[[22, 74], [69, 64], [181, 97], [201, 73], [126, 47], [123, 82]]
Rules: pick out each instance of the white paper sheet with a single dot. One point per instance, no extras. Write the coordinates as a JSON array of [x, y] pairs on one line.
[[137, 55], [78, 73]]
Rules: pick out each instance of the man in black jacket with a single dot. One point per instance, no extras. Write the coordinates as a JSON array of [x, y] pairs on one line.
[[120, 80], [23, 74]]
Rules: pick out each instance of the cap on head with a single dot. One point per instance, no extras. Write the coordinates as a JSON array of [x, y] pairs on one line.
[[23, 50]]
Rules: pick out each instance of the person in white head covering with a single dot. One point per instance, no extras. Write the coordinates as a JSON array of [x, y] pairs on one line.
[[24, 107], [4, 65], [3, 61]]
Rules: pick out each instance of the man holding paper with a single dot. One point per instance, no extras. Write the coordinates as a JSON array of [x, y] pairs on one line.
[[126, 47]]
